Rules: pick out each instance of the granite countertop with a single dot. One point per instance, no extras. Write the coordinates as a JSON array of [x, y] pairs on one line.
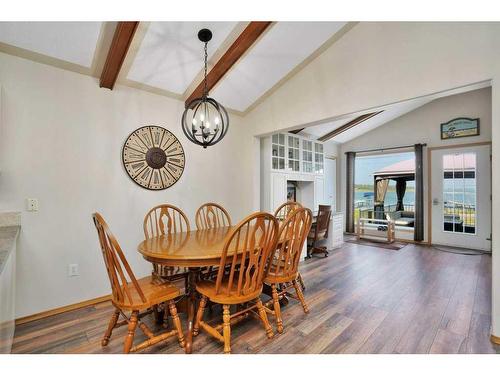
[[8, 236]]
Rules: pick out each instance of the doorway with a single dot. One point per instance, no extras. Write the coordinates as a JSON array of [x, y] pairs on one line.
[[331, 182], [460, 194]]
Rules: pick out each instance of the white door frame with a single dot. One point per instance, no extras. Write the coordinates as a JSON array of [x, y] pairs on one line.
[[429, 178], [334, 185]]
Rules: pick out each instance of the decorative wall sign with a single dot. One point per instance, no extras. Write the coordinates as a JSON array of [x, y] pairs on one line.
[[153, 157], [460, 127]]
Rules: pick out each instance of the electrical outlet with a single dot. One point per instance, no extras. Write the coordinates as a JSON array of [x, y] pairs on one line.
[[32, 204], [73, 270]]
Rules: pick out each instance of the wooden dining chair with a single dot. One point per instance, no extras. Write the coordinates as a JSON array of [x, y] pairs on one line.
[[161, 220], [319, 232], [212, 215], [283, 211], [283, 268], [138, 297], [246, 250]]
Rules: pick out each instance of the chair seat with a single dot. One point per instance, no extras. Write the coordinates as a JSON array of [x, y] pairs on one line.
[[155, 291], [207, 288], [274, 277], [311, 234]]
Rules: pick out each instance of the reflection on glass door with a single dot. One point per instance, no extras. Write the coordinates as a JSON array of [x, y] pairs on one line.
[[459, 193]]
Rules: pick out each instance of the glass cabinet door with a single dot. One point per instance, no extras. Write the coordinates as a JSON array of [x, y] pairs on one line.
[[294, 153], [318, 158], [278, 151], [307, 156]]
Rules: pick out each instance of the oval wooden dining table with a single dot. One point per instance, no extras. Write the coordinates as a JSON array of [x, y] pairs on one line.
[[193, 249]]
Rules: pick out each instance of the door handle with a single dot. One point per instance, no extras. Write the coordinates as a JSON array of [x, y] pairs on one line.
[[435, 201]]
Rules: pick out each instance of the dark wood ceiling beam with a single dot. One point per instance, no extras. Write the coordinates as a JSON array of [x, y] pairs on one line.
[[124, 33], [296, 131], [244, 41], [358, 120]]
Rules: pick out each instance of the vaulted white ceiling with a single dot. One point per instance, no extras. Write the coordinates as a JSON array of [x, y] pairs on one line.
[[74, 42], [390, 112], [167, 57], [170, 56], [278, 52]]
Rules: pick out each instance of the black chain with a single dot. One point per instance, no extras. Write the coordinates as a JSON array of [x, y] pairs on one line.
[[205, 89]]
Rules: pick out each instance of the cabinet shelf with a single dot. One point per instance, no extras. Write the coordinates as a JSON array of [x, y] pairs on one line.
[[296, 154]]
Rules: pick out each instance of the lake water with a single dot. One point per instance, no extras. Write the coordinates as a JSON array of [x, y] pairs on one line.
[[390, 197], [409, 198]]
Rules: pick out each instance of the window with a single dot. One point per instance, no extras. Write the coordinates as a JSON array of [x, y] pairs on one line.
[[293, 153], [307, 156], [459, 193], [318, 158], [278, 149]]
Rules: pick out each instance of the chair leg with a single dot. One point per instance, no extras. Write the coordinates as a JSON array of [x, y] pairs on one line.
[[199, 315], [111, 325], [226, 317], [132, 325], [186, 284], [301, 281], [300, 296], [165, 315], [177, 322], [263, 317], [158, 314], [277, 309]]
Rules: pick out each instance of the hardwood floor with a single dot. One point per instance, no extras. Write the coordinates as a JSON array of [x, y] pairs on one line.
[[362, 299]]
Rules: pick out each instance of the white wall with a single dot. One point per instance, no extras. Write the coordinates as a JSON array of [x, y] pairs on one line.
[[495, 204], [61, 143], [423, 126]]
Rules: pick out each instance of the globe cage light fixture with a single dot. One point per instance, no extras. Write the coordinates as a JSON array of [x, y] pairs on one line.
[[205, 121]]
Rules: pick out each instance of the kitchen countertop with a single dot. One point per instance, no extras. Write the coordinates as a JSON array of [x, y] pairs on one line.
[[8, 236]]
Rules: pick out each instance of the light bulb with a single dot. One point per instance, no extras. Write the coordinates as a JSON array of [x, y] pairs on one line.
[[194, 121], [208, 124], [216, 121], [202, 117]]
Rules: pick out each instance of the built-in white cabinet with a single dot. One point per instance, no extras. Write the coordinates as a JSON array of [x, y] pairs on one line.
[[319, 191], [288, 159], [336, 231], [278, 152], [7, 302], [307, 156], [9, 230], [319, 158], [293, 153], [278, 188]]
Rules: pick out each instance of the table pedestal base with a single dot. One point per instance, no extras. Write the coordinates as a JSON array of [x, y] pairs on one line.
[[193, 277]]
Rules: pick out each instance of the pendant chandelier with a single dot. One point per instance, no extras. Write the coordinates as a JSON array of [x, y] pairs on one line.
[[205, 121]]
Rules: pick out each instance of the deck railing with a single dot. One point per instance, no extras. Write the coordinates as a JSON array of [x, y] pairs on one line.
[[454, 212], [459, 212], [365, 211]]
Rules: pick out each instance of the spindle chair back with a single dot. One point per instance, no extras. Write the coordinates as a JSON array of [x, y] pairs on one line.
[[212, 215], [163, 220], [283, 211]]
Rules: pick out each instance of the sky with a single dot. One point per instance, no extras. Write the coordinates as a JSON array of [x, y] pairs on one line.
[[366, 166]]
